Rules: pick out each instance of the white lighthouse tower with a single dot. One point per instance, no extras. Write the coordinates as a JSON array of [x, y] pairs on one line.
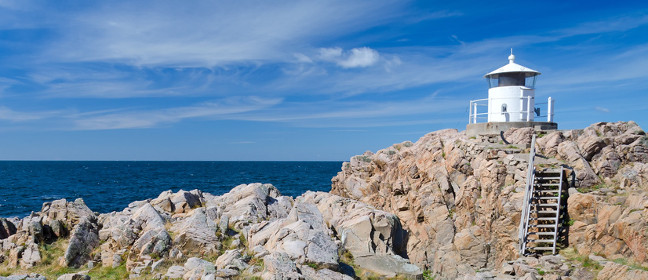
[[510, 102]]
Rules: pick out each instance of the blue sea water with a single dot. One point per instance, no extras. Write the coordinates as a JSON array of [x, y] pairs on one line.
[[107, 186]]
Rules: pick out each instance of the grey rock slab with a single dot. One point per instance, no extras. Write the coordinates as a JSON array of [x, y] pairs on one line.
[[195, 268], [31, 276], [280, 266], [231, 259], [85, 237], [312, 274], [74, 276], [31, 256], [175, 272], [389, 265], [226, 273]]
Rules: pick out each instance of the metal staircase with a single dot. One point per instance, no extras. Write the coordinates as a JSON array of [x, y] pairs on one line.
[[543, 209]]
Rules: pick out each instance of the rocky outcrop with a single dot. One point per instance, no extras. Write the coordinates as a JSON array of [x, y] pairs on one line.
[[610, 226], [459, 198], [250, 231], [448, 204]]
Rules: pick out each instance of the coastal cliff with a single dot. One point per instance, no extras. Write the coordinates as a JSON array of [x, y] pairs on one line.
[[460, 198], [445, 207]]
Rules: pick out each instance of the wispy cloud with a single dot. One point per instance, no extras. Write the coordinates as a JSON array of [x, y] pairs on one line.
[[8, 114], [157, 33], [151, 118]]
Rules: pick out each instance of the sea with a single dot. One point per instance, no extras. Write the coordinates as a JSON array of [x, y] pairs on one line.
[[108, 186]]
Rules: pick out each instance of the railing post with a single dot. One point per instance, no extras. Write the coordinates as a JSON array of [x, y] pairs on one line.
[[470, 112], [550, 109], [475, 113], [528, 112]]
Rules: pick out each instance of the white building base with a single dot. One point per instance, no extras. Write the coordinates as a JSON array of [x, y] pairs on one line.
[[475, 129]]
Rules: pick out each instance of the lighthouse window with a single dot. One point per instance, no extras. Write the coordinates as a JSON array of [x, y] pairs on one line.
[[511, 79], [530, 81], [492, 82]]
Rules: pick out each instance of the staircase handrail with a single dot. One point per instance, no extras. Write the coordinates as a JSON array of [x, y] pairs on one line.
[[524, 218]]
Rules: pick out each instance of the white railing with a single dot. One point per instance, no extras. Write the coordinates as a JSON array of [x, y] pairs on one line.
[[474, 116], [477, 116], [528, 192]]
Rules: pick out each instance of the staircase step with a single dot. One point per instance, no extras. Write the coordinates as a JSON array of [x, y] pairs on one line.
[[547, 184], [549, 191], [544, 219], [542, 248], [545, 211], [542, 233], [544, 226], [547, 178], [541, 241], [548, 204], [548, 197]]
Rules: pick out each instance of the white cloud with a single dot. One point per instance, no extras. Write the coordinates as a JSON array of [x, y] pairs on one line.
[[361, 57], [602, 109], [357, 57]]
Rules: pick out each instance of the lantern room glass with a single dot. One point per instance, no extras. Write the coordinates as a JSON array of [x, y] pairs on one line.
[[511, 79]]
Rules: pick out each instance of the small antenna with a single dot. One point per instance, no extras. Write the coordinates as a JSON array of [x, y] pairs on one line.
[[511, 50]]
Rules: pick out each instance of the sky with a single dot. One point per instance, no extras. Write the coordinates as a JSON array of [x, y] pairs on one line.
[[296, 80]]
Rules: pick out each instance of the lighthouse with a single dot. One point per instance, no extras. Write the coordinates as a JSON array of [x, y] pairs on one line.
[[511, 102]]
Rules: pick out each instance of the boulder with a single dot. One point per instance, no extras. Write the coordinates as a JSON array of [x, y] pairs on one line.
[[84, 238], [196, 268], [280, 266], [196, 233], [70, 213], [7, 228], [302, 236], [31, 256], [519, 136], [245, 205], [231, 259], [363, 229], [180, 202], [175, 272]]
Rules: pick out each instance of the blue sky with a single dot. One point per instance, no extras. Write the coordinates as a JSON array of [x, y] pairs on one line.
[[295, 80]]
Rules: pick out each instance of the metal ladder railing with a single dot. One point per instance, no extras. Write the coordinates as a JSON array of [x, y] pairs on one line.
[[542, 208]]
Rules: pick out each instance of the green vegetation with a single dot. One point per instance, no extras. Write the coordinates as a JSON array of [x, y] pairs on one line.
[[427, 275], [540, 271], [109, 272], [541, 134], [571, 222], [313, 265], [572, 255], [49, 265], [365, 158], [631, 265], [592, 188]]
